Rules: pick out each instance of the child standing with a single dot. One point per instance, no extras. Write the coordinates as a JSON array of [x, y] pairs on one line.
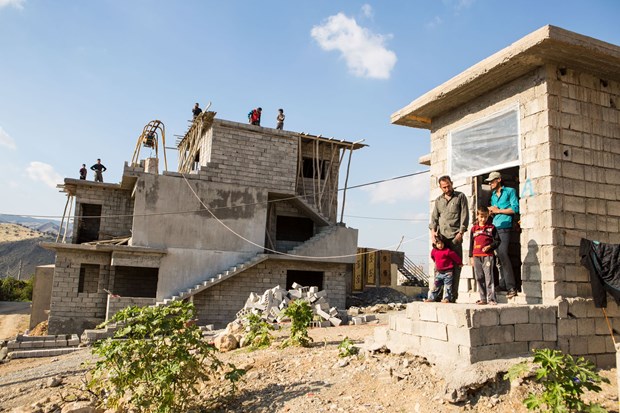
[[280, 119], [445, 259], [483, 240]]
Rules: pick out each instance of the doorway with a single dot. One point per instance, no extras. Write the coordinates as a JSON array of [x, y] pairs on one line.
[[304, 278], [510, 178], [89, 222]]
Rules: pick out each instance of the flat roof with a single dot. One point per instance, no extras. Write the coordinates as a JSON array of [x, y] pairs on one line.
[[549, 44]]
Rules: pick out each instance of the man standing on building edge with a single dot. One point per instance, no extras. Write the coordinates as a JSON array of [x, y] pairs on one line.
[[450, 218], [99, 169], [504, 204]]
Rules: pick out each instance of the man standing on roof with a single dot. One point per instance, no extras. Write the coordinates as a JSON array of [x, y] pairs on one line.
[[280, 119], [254, 116], [99, 169], [196, 111], [450, 219], [504, 204]]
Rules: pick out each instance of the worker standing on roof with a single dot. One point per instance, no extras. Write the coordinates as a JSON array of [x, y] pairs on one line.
[[254, 116], [196, 111], [83, 171], [280, 119], [99, 170]]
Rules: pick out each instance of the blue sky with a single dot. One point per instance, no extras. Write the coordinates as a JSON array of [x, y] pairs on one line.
[[80, 79]]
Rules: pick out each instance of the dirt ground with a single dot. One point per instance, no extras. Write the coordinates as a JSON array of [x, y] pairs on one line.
[[14, 318], [293, 379]]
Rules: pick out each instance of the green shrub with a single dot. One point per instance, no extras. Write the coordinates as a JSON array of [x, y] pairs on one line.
[[12, 289], [259, 334], [346, 348], [157, 362], [564, 380], [300, 313]]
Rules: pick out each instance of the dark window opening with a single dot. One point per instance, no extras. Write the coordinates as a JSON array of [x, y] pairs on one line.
[[89, 223], [309, 168], [89, 278], [294, 228], [136, 281], [305, 278], [196, 164]]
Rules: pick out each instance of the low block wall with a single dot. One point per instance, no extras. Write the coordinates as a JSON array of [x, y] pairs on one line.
[[115, 304], [470, 333]]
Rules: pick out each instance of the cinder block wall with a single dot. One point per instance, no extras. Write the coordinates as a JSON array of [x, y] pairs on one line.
[[70, 311], [584, 141], [529, 94], [116, 208], [248, 155], [219, 304]]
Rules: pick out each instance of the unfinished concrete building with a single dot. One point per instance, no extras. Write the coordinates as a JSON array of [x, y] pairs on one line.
[[544, 112], [249, 208]]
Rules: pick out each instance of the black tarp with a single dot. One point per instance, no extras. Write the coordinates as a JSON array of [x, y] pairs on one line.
[[603, 262]]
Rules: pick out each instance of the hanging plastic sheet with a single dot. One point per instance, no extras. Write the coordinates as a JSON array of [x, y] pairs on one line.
[[603, 262]]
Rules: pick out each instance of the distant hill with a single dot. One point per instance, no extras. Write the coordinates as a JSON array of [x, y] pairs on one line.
[[46, 226], [23, 256]]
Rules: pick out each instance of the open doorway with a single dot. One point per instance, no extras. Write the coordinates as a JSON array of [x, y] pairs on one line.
[[305, 278], [89, 222], [510, 178]]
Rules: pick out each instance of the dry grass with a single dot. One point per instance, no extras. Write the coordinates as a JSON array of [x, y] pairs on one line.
[[14, 232]]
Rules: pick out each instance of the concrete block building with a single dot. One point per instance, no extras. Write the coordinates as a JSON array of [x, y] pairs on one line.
[[545, 113], [248, 209]]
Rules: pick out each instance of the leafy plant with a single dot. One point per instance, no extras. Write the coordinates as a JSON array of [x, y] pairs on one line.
[[157, 362], [300, 313], [564, 380], [259, 333], [12, 289], [346, 348]]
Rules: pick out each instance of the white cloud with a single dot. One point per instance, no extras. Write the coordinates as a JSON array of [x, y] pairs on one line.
[[39, 171], [18, 4], [5, 139], [436, 21], [367, 11], [363, 50], [413, 188]]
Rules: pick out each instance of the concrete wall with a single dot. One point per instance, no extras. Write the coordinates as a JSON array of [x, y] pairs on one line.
[[248, 155], [583, 175], [529, 94], [70, 311], [570, 161], [116, 208], [219, 304], [41, 294], [197, 244]]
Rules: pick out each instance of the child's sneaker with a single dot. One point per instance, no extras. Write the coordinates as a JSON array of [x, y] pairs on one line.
[[512, 293]]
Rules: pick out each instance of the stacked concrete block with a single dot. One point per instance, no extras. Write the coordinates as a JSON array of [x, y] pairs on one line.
[[272, 303], [42, 346], [220, 303], [470, 333]]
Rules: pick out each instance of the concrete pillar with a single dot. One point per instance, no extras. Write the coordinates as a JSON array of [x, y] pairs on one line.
[[151, 166]]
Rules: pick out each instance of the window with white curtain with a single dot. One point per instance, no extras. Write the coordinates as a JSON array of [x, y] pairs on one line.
[[486, 145]]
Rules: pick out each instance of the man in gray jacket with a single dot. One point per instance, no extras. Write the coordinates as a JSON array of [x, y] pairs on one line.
[[450, 218]]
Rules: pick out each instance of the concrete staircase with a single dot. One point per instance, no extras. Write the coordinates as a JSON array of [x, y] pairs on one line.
[[308, 245], [215, 279]]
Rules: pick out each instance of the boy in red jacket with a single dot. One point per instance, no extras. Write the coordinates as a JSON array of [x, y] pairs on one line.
[[445, 259], [483, 240]]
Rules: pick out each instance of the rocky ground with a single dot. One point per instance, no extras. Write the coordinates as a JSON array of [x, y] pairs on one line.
[[313, 379]]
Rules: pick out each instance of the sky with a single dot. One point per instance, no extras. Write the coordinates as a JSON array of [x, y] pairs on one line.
[[80, 79]]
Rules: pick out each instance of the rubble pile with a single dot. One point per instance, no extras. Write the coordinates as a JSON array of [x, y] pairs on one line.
[[273, 302], [379, 295]]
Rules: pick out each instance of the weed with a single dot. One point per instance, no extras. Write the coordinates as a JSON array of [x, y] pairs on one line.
[[300, 313], [564, 380], [346, 348], [157, 362], [259, 334]]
